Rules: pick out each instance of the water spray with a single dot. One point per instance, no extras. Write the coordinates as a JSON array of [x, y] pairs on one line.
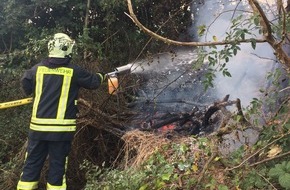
[[112, 84]]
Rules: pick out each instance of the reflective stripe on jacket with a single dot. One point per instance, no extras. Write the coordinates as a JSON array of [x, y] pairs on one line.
[[55, 88], [52, 88]]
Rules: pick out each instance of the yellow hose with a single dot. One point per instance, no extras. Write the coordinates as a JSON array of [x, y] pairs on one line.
[[15, 103]]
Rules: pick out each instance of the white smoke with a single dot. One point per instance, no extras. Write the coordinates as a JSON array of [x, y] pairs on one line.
[[250, 66]]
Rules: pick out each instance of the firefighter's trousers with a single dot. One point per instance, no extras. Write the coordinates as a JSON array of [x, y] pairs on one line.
[[37, 152]]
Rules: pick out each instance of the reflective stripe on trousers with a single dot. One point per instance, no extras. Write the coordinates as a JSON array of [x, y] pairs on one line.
[[37, 152], [53, 187], [22, 185]]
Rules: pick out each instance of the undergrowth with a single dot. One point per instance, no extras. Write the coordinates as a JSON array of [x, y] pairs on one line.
[[194, 163], [13, 127]]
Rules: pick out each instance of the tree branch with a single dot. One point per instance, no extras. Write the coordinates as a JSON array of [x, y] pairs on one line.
[[178, 43], [280, 53], [267, 30], [258, 151], [269, 159]]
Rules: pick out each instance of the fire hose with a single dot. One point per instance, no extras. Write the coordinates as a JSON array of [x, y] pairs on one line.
[[15, 103], [112, 85]]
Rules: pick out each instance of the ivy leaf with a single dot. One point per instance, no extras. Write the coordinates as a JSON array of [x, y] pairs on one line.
[[194, 168], [181, 166], [288, 167], [287, 126], [276, 172], [143, 187], [284, 180], [160, 184], [166, 177]]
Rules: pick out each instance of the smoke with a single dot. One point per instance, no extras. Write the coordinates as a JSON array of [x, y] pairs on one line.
[[249, 72], [171, 76], [250, 66], [173, 85]]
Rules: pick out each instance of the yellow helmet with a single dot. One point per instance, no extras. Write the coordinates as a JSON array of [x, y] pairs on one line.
[[60, 46]]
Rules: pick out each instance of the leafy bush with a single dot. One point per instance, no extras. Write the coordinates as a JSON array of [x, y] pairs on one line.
[[13, 126], [281, 174], [106, 179]]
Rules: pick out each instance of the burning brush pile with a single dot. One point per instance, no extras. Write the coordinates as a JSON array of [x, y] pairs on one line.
[[198, 121], [141, 130], [117, 115], [128, 138]]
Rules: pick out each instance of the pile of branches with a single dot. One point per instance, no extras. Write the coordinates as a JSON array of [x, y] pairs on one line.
[[212, 118]]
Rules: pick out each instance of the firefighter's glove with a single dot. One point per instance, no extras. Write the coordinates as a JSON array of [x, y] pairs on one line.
[[102, 75]]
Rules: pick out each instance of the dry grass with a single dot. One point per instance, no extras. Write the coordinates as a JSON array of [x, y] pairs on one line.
[[140, 145]]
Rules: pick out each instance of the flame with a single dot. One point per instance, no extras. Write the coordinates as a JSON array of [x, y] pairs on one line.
[[167, 128]]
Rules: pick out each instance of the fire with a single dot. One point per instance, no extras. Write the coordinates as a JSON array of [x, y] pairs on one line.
[[167, 128]]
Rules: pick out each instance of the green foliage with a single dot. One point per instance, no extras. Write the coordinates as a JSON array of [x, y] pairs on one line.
[[212, 185], [209, 78], [160, 171], [237, 156], [107, 179], [201, 30], [217, 62], [13, 15], [281, 173], [278, 28], [218, 58], [108, 33], [254, 111], [253, 180], [14, 121]]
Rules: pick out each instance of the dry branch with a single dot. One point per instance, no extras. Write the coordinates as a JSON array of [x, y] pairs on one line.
[[269, 159]]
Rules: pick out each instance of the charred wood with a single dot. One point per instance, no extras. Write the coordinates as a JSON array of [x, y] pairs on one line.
[[219, 105], [207, 120], [181, 118]]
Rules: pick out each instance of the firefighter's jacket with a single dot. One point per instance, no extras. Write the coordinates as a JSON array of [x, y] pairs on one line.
[[55, 84]]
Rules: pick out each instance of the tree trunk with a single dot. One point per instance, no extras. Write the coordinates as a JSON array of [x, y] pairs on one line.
[[85, 30]]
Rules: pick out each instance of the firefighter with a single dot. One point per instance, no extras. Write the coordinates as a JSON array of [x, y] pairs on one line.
[[54, 83]]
